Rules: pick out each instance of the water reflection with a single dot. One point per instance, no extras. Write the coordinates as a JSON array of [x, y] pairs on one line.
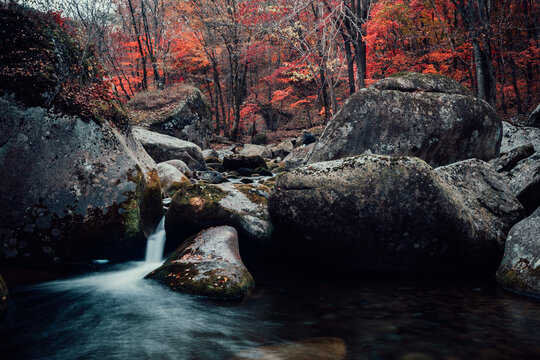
[[116, 315]]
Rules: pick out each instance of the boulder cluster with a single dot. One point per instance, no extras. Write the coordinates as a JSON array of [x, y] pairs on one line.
[[412, 174]]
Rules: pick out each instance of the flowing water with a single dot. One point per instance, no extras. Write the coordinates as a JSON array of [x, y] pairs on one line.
[[156, 244], [115, 314]]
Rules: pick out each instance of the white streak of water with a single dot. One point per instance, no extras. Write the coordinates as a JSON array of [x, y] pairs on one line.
[[156, 244]]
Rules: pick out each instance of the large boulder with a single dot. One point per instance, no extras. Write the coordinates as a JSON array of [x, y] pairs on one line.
[[520, 267], [424, 116], [515, 136], [71, 189], [391, 213], [75, 183], [182, 112], [198, 206], [282, 149], [207, 264], [163, 148], [255, 150], [534, 118], [4, 295], [524, 181]]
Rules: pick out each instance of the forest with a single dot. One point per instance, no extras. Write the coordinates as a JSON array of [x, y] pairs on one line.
[[290, 64]]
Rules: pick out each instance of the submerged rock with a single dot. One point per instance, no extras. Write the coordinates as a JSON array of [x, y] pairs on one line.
[[380, 212], [420, 115], [207, 264], [305, 349], [163, 148], [72, 190], [520, 267], [4, 296], [198, 206]]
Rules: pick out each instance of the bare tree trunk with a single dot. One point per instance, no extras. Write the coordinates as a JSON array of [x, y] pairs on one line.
[[144, 83]]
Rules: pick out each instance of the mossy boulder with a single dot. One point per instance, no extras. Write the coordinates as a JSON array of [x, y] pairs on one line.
[[431, 119], [520, 267], [4, 296], [393, 213], [199, 206], [72, 190], [207, 264], [182, 112], [170, 178]]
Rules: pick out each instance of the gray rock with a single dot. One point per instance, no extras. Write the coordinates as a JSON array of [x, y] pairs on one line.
[[382, 212], [199, 206], [191, 119], [224, 152], [415, 82], [235, 162], [170, 178], [515, 136], [440, 128], [298, 157], [72, 190], [179, 164], [207, 264], [210, 153], [508, 161], [256, 150], [534, 118], [520, 267], [525, 182], [283, 149], [163, 148]]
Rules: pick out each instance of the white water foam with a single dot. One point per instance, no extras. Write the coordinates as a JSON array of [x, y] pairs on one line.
[[156, 244]]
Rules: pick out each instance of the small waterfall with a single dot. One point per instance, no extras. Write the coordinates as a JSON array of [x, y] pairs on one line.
[[156, 244]]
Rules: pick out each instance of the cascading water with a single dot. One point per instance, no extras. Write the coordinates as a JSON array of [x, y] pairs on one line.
[[156, 244]]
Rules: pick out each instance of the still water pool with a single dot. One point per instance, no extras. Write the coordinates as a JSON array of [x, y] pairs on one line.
[[114, 314]]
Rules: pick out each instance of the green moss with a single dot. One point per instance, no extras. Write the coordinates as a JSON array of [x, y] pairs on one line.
[[250, 192]]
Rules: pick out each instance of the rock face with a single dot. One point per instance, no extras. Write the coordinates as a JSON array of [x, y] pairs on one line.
[[534, 118], [163, 148], [235, 162], [282, 149], [4, 295], [298, 157], [72, 190], [435, 120], [170, 178], [207, 264], [256, 150], [198, 206], [188, 119], [507, 161], [520, 267], [525, 182], [387, 213], [514, 136]]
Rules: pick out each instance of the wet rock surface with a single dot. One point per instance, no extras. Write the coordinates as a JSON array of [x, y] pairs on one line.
[[207, 264], [438, 127], [520, 267], [163, 148], [393, 213]]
